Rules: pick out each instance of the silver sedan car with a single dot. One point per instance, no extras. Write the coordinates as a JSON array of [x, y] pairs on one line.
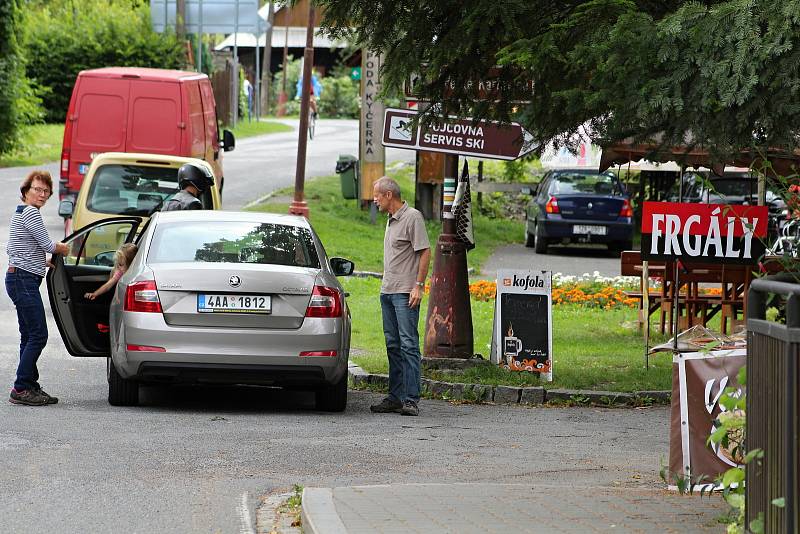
[[211, 297]]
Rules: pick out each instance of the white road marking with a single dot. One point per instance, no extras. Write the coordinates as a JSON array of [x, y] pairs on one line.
[[246, 526]]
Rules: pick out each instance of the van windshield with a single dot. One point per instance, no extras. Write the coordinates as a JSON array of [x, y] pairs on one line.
[[131, 189]]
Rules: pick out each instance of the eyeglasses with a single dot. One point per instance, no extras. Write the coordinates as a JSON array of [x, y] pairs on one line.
[[40, 190]]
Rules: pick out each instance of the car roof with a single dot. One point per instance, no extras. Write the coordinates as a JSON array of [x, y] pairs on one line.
[[579, 170], [222, 215], [143, 73], [127, 158]]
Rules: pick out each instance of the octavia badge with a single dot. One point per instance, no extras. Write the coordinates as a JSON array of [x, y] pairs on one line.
[[234, 281]]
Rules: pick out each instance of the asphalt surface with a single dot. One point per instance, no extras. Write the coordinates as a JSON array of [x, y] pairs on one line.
[[200, 460]]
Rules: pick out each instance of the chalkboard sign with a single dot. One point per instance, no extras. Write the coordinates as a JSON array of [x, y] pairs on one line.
[[523, 319]]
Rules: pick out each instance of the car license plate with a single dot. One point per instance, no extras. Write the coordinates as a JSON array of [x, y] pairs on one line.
[[82, 168], [589, 229], [218, 303]]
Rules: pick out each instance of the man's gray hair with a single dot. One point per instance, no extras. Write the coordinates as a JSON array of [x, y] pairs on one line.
[[385, 184]]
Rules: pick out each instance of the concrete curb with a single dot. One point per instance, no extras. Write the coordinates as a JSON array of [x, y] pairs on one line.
[[531, 396], [318, 512]]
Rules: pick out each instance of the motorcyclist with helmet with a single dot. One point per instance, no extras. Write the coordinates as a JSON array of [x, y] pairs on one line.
[[193, 181]]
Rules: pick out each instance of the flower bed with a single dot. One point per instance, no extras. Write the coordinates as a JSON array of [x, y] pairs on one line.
[[590, 290]]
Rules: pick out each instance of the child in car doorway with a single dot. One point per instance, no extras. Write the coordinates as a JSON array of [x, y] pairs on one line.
[[122, 260]]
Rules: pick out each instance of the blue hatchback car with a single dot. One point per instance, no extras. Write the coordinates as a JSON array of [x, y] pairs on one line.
[[579, 206]]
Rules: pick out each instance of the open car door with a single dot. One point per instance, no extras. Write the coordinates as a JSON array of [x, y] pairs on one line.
[[83, 323]]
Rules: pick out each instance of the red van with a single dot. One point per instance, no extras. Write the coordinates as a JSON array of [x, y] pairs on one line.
[[155, 111]]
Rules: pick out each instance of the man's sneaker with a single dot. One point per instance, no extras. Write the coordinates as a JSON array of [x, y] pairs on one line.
[[50, 399], [409, 408], [28, 397], [387, 405]]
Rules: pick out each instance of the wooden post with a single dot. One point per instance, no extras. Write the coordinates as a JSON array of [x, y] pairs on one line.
[[372, 155]]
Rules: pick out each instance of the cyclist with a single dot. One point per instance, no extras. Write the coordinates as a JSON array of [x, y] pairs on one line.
[[314, 91]]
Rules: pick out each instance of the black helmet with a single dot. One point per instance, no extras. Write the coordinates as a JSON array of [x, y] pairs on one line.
[[195, 174]]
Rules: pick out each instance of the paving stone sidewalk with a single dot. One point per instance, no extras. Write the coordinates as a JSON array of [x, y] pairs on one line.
[[483, 508]]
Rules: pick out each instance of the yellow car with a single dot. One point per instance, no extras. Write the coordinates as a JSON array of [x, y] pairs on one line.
[[119, 184]]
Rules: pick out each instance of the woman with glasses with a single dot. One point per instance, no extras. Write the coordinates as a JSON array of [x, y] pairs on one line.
[[28, 245]]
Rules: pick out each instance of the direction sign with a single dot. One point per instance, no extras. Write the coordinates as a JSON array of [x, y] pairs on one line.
[[489, 87], [208, 16], [482, 139]]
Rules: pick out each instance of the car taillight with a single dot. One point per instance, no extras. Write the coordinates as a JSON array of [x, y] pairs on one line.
[[325, 302], [326, 353], [627, 210], [64, 164], [551, 206], [142, 297]]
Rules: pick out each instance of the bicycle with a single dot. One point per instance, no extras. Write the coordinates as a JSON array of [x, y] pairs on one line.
[[312, 123], [788, 243]]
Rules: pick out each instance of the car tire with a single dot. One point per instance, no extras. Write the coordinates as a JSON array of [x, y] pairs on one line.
[[332, 398], [529, 239], [121, 391], [541, 243]]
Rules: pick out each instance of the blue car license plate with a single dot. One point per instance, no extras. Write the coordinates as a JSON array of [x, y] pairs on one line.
[[221, 303]]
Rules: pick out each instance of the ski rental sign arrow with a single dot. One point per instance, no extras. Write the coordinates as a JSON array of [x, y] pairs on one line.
[[482, 139]]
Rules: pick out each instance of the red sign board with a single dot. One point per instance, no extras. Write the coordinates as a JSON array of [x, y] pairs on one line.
[[708, 232], [483, 139]]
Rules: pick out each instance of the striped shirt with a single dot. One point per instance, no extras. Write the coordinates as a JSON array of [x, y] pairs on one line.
[[28, 241]]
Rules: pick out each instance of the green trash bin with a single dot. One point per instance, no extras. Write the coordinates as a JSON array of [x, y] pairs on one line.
[[347, 169]]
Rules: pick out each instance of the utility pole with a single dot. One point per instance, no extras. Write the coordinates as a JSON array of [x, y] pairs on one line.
[[180, 19], [284, 96], [266, 65], [448, 326], [299, 206]]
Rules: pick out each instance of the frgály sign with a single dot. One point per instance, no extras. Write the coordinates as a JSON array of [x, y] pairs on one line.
[[708, 232]]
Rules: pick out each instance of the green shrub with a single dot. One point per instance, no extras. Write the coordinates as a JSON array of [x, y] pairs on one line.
[[19, 103], [63, 38], [339, 98]]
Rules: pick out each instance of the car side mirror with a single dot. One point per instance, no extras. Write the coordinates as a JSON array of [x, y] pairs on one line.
[[228, 141], [342, 266], [65, 208]]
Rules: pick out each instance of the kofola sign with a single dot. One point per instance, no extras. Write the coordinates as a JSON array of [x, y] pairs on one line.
[[707, 232], [483, 139]]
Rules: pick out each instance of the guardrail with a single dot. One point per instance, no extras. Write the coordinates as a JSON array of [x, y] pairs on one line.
[[773, 382]]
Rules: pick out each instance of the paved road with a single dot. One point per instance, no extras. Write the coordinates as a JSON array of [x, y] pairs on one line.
[[565, 260], [197, 460]]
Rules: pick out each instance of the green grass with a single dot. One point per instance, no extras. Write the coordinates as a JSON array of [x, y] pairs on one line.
[[245, 129], [346, 231], [592, 348], [42, 142]]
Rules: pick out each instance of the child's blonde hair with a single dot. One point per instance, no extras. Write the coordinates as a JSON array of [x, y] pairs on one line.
[[125, 253]]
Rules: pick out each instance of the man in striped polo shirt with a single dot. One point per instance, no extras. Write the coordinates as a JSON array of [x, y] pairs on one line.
[[28, 245]]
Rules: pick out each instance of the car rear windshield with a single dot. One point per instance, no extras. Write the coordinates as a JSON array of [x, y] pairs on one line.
[[577, 183], [131, 189], [233, 242]]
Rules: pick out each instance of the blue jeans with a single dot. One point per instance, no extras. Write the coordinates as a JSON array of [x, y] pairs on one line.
[[402, 346], [23, 288]]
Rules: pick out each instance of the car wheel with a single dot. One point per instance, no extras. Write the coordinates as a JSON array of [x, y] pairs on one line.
[[541, 243], [121, 391], [529, 239], [333, 398]]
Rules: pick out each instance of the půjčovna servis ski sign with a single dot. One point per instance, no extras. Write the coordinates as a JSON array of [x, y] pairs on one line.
[[707, 232], [465, 137]]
